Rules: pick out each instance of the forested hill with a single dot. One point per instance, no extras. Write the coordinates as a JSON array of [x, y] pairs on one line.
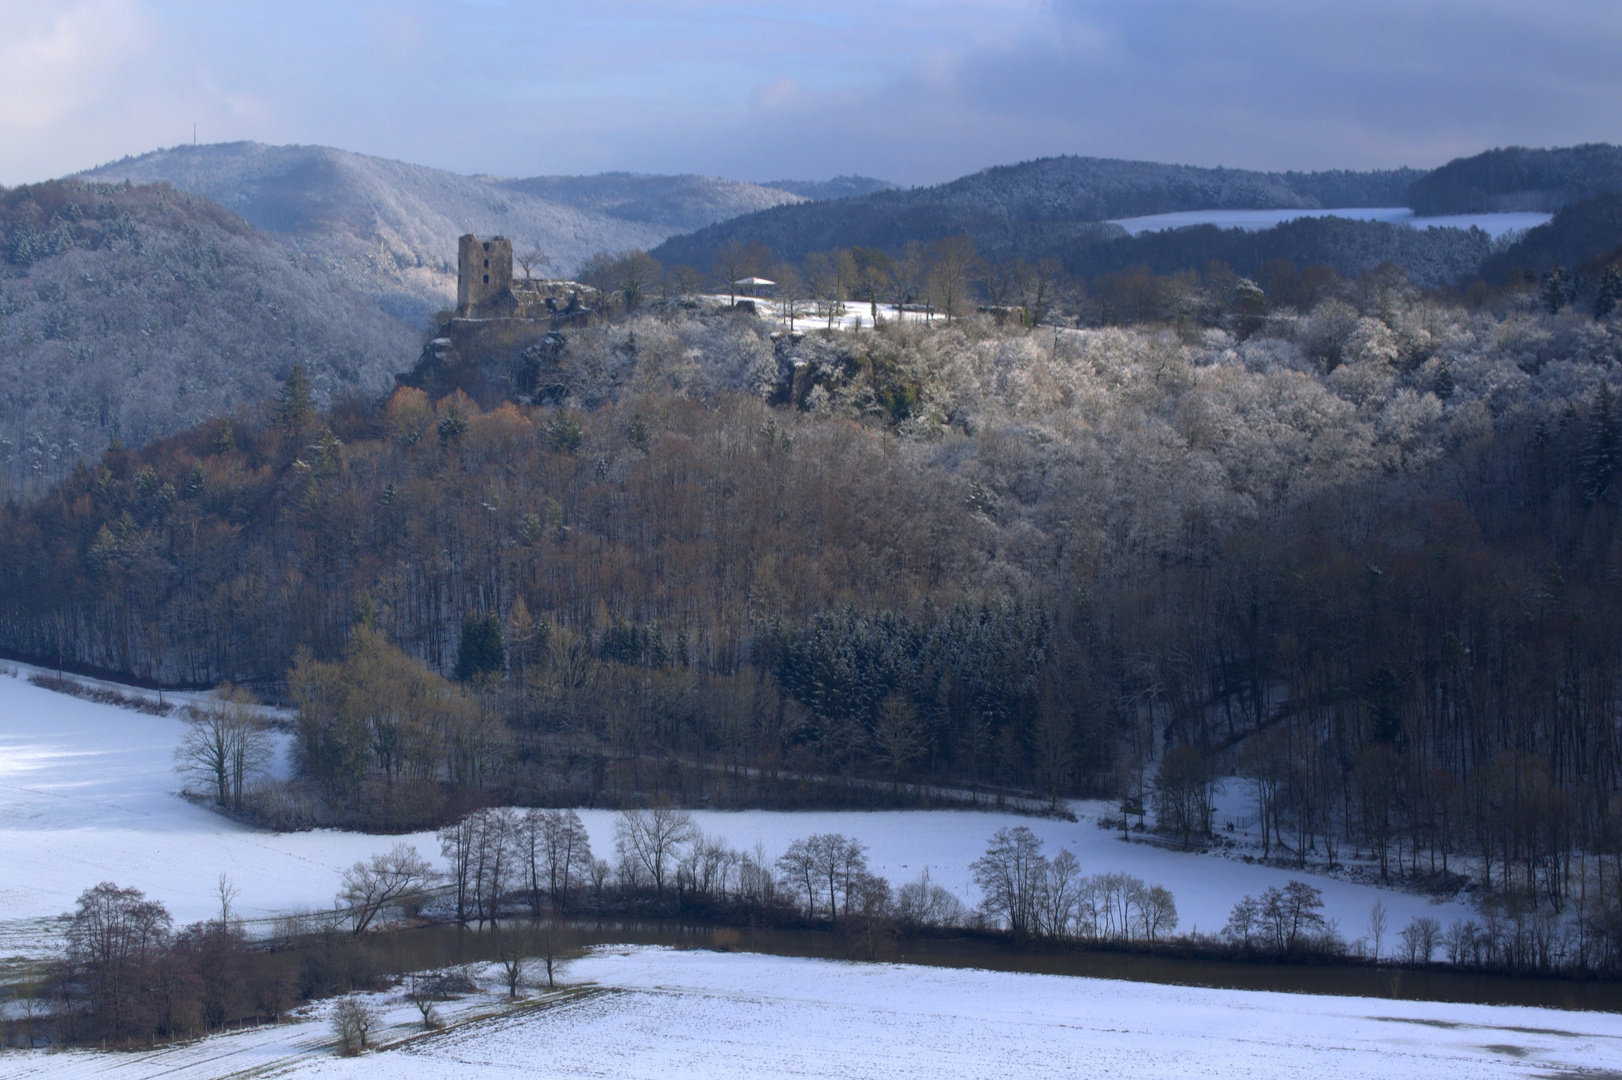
[[1518, 178], [1431, 258], [1374, 544], [390, 227], [1584, 237], [840, 187], [133, 312], [1015, 208]]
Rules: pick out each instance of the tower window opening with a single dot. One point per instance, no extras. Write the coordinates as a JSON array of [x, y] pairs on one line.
[[487, 279]]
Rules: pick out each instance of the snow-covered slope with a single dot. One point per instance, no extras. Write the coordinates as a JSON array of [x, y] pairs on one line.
[[88, 793], [391, 227], [665, 1015]]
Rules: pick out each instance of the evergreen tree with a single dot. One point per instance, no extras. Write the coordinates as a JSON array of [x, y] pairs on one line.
[[1600, 449], [1443, 386], [1554, 288], [481, 651], [1610, 291], [295, 402]]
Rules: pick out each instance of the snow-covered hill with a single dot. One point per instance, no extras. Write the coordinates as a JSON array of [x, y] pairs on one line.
[[133, 313], [391, 228]]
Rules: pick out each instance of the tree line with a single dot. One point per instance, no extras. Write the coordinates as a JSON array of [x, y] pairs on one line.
[[129, 976]]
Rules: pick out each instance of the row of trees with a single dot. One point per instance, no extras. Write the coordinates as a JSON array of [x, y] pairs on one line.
[[502, 861], [947, 278], [128, 975], [1050, 898]]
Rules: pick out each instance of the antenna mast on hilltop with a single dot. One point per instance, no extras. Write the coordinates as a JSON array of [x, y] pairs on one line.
[[194, 133]]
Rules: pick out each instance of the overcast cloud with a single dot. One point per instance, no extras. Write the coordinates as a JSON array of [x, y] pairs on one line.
[[912, 91]]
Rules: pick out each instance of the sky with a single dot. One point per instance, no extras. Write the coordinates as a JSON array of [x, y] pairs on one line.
[[913, 91]]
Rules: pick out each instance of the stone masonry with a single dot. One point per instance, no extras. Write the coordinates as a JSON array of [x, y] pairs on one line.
[[484, 277]]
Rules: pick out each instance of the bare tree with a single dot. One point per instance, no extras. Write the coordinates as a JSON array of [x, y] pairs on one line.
[[799, 867], [875, 269], [635, 272], [1038, 288], [512, 954], [354, 1021], [1008, 875], [1157, 912], [398, 876], [732, 262], [828, 279], [790, 294], [649, 842], [1419, 939], [953, 264], [423, 992], [922, 903], [1377, 927], [1183, 792], [908, 277], [830, 864], [227, 893], [1004, 281], [601, 273], [531, 259], [552, 940], [225, 745], [456, 843], [685, 280], [114, 939], [492, 863], [554, 851]]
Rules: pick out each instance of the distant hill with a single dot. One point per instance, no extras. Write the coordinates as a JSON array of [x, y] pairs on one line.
[[671, 203], [1343, 187], [1020, 209], [840, 187], [1580, 236], [1516, 178], [137, 311], [1432, 257], [390, 228]]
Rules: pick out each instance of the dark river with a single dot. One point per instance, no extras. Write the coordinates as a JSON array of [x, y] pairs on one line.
[[439, 945]]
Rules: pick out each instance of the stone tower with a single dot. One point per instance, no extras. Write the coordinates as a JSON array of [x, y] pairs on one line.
[[484, 275]]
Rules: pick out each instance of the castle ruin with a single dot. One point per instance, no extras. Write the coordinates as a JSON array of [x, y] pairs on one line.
[[484, 277]]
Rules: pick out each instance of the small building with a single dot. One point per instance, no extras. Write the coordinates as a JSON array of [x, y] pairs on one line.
[[754, 286]]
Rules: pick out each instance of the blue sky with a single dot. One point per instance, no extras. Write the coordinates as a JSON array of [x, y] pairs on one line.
[[909, 90]]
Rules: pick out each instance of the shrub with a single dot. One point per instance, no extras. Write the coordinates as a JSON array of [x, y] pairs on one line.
[[354, 1022]]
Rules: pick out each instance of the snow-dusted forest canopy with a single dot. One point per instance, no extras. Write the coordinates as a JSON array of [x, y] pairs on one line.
[[132, 312]]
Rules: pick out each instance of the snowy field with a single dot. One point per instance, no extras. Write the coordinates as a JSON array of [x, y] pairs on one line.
[[1494, 225], [657, 1014], [88, 793]]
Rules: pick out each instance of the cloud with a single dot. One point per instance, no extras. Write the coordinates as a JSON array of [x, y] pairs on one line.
[[1252, 83], [55, 62], [911, 90]]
